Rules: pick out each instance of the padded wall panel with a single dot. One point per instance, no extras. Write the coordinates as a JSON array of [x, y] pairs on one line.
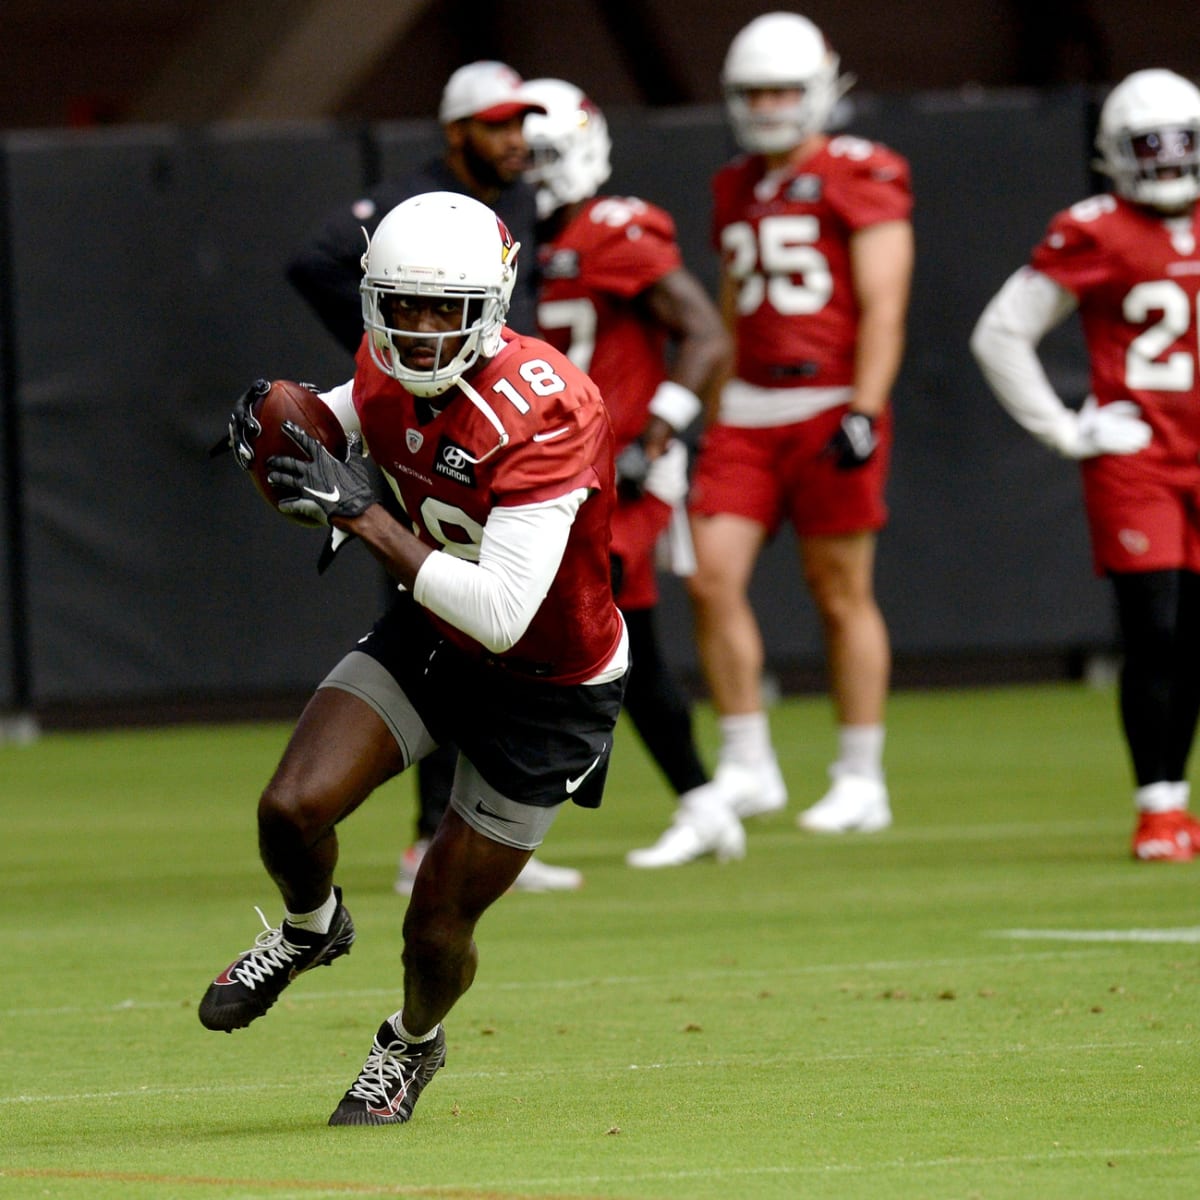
[[988, 549], [149, 290], [11, 628]]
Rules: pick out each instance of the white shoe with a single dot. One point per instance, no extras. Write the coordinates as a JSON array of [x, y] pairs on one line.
[[854, 804], [538, 876], [535, 876], [410, 861], [752, 791], [703, 824]]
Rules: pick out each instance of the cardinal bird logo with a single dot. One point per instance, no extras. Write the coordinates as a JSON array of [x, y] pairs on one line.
[[508, 248]]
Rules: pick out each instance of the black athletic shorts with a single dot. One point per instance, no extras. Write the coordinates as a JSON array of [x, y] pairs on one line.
[[540, 743]]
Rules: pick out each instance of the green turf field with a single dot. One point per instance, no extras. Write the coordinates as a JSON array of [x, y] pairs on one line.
[[989, 1001]]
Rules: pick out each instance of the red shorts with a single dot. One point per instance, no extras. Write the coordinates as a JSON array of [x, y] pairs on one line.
[[1142, 516], [636, 527], [781, 473]]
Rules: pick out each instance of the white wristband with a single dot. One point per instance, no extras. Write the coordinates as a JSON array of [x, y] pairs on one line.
[[675, 404]]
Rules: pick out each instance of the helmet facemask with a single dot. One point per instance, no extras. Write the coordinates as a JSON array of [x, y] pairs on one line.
[[479, 328], [1159, 167], [782, 127]]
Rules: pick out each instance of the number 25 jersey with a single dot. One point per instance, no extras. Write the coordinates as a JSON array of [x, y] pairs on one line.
[[784, 240]]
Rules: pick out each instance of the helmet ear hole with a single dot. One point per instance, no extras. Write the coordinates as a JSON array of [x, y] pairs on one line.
[[473, 313]]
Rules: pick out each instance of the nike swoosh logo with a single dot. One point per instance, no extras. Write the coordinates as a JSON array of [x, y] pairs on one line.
[[573, 784], [333, 497], [484, 811], [553, 433]]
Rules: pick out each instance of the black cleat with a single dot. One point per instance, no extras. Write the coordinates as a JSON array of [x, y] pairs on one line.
[[253, 981], [387, 1087]]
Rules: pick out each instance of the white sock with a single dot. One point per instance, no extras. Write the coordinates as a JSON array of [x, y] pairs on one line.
[[1183, 793], [411, 1038], [317, 921], [1159, 797], [746, 739], [860, 750]]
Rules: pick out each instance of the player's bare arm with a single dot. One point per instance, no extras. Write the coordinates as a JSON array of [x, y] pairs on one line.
[[881, 258], [704, 347]]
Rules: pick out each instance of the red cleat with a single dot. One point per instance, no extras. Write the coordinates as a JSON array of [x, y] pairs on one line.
[[1171, 836]]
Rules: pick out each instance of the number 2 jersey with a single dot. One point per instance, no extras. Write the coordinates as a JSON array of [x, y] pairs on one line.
[[1135, 276], [784, 239], [525, 427]]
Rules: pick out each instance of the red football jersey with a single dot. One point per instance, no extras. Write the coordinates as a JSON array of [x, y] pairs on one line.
[[613, 250], [784, 240], [450, 470], [1136, 277]]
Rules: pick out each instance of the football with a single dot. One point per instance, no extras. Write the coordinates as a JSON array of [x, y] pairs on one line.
[[300, 404]]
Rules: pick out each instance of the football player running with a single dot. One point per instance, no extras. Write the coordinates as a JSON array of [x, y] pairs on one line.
[[615, 297], [1128, 261], [816, 247], [503, 636], [483, 155]]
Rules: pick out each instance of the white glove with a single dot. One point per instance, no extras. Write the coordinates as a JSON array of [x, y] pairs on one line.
[[667, 477], [1115, 428]]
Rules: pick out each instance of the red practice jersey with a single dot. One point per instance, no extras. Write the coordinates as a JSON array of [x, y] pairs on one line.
[[784, 241], [612, 251], [451, 469], [1136, 277]]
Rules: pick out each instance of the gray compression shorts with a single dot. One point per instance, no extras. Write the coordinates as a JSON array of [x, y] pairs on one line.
[[496, 816]]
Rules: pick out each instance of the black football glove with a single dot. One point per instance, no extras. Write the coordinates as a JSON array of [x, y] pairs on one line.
[[854, 442], [243, 428], [326, 486]]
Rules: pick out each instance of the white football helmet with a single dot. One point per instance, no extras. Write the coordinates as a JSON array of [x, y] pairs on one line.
[[1149, 139], [781, 50], [445, 245], [569, 144]]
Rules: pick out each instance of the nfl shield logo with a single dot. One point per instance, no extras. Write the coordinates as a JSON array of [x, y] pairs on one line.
[[413, 439]]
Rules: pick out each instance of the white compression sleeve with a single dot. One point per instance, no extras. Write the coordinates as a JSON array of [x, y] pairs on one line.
[[493, 600], [1004, 343]]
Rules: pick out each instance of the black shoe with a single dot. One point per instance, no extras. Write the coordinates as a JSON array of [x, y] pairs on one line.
[[387, 1087], [253, 981]]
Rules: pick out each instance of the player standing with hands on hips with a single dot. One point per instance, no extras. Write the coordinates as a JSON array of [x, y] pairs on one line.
[[817, 255], [1129, 262], [503, 636]]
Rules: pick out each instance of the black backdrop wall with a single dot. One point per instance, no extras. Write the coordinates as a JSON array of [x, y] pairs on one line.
[[143, 288]]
